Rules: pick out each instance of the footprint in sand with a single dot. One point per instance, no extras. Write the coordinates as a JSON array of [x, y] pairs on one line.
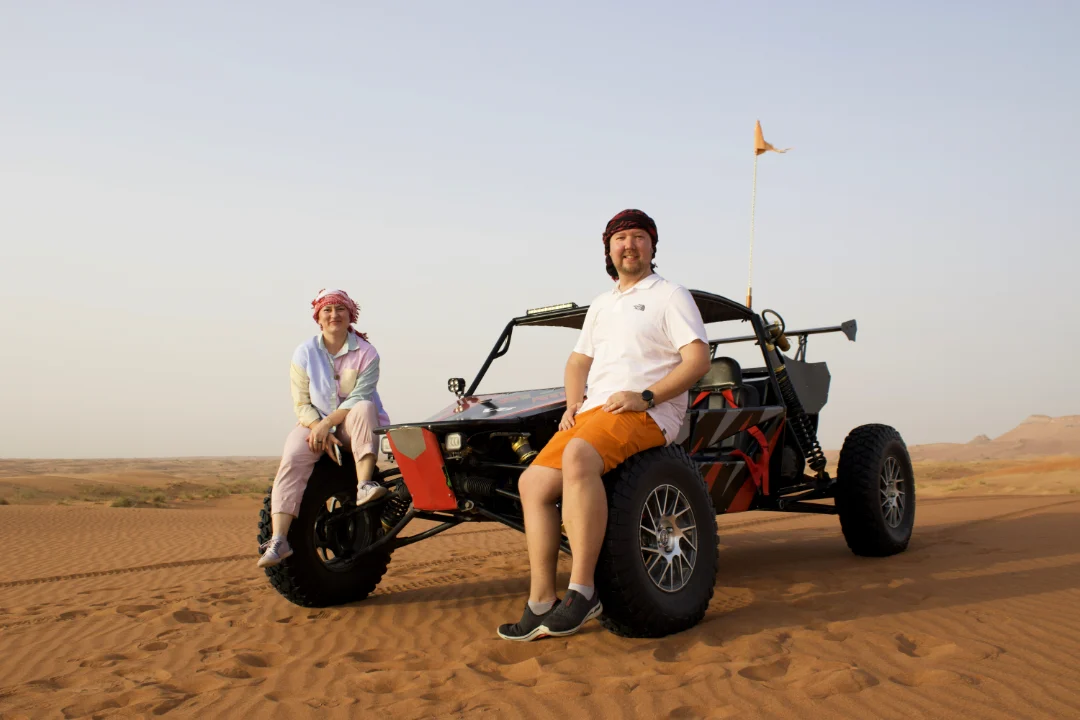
[[239, 664], [92, 707], [156, 646], [188, 616], [134, 610], [837, 681], [227, 597], [800, 589], [382, 657], [49, 684], [936, 677], [489, 654], [767, 671], [170, 704], [107, 660], [923, 646], [379, 682]]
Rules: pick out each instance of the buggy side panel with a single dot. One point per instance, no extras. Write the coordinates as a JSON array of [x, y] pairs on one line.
[[709, 427], [811, 382], [724, 479], [420, 460], [741, 470]]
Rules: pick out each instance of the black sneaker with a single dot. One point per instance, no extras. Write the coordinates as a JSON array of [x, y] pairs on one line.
[[529, 627], [574, 611]]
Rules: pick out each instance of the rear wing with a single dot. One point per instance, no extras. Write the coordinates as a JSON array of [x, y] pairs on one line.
[[849, 329]]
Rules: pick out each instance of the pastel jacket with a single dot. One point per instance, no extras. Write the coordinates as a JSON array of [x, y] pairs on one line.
[[322, 384]]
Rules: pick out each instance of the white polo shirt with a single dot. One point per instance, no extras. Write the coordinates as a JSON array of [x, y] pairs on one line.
[[634, 339]]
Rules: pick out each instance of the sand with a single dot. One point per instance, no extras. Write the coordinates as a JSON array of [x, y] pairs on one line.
[[161, 611]]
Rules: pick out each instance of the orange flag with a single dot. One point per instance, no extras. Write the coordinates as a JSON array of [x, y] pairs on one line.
[[760, 145]]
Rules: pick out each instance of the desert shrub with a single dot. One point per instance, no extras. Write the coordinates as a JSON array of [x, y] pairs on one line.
[[123, 502]]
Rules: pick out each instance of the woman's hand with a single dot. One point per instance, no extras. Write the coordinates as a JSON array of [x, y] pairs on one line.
[[568, 416], [317, 438]]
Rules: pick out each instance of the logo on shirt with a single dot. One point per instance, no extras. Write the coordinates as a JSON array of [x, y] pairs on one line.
[[640, 307]]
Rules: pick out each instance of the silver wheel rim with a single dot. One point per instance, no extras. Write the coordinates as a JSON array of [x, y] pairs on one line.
[[893, 493], [668, 538]]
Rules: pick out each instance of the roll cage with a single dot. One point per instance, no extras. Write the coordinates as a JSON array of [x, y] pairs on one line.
[[713, 308]]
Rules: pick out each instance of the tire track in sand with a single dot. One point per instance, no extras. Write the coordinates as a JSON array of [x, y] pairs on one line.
[[124, 571]]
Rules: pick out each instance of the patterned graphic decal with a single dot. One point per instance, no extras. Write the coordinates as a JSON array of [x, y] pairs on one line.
[[712, 426], [723, 480]]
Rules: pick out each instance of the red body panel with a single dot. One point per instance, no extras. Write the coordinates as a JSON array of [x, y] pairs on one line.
[[422, 468], [742, 500]]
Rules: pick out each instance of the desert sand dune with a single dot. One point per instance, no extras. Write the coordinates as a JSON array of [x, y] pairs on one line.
[[160, 610], [149, 612], [1038, 435]]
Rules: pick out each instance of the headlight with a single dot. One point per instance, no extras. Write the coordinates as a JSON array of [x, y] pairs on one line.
[[453, 441], [384, 445]]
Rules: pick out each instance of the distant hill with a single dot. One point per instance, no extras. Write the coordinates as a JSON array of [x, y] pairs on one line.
[[1037, 435]]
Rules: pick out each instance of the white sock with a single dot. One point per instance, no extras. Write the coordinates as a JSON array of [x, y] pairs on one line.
[[586, 591], [539, 608]]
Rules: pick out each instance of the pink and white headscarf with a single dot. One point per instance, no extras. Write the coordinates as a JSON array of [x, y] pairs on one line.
[[335, 297]]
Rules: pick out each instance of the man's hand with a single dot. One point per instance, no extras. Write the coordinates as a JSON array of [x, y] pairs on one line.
[[317, 439], [625, 401], [567, 421]]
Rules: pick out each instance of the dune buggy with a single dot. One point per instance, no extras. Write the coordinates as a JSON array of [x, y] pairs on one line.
[[749, 442]]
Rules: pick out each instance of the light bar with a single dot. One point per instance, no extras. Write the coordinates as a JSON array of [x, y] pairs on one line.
[[551, 308]]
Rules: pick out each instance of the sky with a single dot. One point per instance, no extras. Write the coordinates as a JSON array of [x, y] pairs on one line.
[[178, 181]]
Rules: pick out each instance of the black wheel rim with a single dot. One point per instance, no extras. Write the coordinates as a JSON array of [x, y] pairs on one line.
[[668, 538], [339, 531]]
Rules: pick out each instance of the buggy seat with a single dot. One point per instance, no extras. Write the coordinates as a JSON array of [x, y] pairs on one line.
[[724, 374]]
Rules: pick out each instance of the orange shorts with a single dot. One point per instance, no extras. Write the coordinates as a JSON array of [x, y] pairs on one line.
[[615, 437]]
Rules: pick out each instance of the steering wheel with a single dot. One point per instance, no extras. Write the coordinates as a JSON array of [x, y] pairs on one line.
[[776, 329], [779, 320]]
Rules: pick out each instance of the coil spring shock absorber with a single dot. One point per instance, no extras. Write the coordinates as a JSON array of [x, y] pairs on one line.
[[476, 486], [800, 422], [397, 504], [797, 417]]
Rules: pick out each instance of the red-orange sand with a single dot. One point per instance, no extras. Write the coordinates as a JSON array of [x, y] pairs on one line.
[[161, 611]]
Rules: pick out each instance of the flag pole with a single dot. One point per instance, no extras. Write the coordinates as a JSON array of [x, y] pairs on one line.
[[753, 204]]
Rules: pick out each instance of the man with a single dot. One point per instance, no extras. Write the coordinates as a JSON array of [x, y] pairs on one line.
[[642, 347]]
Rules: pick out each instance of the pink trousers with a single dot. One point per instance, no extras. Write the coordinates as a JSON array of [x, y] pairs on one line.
[[297, 461]]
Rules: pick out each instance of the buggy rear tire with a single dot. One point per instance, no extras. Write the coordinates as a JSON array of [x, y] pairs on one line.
[[321, 571], [654, 584], [875, 491]]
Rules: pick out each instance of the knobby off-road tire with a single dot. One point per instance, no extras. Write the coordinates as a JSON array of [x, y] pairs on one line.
[[635, 605], [875, 491], [321, 571]]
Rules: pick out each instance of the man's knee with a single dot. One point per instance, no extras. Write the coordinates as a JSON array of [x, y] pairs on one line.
[[539, 484], [581, 461]]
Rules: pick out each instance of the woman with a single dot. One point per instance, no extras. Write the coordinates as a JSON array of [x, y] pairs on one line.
[[333, 376]]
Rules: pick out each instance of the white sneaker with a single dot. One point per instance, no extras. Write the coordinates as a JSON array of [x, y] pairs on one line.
[[274, 551], [369, 491]]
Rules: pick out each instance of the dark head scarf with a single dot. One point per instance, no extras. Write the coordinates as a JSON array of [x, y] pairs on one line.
[[627, 220]]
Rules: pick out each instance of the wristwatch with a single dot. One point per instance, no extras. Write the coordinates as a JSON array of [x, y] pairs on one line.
[[647, 396]]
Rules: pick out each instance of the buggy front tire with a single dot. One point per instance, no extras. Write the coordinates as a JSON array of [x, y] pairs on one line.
[[658, 563], [875, 491], [325, 536]]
